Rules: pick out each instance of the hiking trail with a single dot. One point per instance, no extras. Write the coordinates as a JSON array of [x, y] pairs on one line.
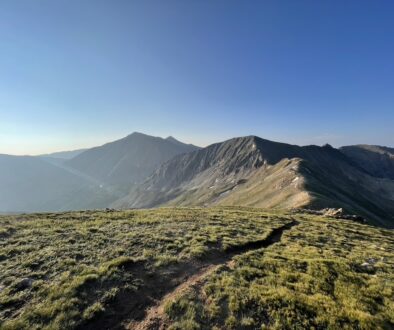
[[144, 308]]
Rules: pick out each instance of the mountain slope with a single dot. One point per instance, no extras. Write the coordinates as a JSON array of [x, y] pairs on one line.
[[31, 184], [252, 171], [63, 154], [128, 160], [376, 160]]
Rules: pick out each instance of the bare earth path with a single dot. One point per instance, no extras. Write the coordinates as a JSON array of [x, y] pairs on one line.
[[155, 317], [144, 308]]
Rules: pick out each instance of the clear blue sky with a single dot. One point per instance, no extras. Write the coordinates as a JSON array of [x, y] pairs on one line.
[[79, 73]]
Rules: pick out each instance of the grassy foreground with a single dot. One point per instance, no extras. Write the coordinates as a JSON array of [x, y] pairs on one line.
[[79, 269]]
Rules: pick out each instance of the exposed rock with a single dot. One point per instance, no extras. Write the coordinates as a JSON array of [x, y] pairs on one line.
[[309, 176], [368, 265], [372, 261], [24, 284], [376, 160], [352, 217], [331, 212]]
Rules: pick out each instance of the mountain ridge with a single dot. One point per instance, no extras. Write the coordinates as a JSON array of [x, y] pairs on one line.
[[64, 155], [47, 183], [128, 160], [375, 160], [140, 171], [218, 175]]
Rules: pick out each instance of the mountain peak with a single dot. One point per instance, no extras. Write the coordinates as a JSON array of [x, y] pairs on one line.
[[128, 160], [179, 143], [171, 138], [137, 134]]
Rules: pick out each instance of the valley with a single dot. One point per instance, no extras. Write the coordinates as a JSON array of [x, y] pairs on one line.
[[141, 171]]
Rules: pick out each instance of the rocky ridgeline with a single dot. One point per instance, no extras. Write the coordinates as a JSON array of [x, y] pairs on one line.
[[332, 213]]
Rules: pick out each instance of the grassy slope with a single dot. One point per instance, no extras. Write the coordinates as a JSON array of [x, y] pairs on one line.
[[323, 274], [81, 265], [279, 186]]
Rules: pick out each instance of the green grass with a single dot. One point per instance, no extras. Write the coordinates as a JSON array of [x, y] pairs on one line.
[[59, 271], [77, 261], [315, 278]]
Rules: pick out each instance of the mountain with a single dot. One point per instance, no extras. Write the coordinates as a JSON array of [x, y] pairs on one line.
[[29, 184], [251, 171], [145, 171], [376, 160], [59, 158], [129, 160], [82, 179], [63, 154]]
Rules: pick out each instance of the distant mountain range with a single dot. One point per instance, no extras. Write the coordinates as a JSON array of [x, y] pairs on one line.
[[129, 160], [31, 184], [82, 179], [143, 171], [63, 154], [376, 160]]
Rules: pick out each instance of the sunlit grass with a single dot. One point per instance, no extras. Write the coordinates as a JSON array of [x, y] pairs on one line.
[[74, 264], [324, 274]]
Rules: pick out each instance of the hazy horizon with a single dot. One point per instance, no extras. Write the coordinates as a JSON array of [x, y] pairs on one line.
[[81, 74], [177, 138]]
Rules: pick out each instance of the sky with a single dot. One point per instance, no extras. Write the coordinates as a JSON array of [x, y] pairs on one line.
[[78, 73]]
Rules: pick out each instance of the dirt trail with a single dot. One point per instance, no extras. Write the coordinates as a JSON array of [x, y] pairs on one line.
[[155, 316], [144, 308]]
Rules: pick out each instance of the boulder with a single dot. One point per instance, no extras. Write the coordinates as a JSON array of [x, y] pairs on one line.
[[331, 212], [24, 284]]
